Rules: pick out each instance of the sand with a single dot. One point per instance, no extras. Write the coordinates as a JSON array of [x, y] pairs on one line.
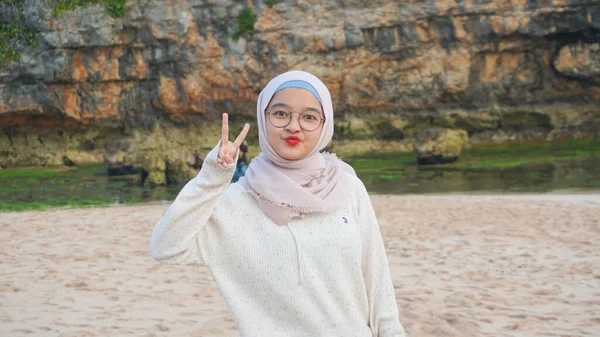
[[481, 265]]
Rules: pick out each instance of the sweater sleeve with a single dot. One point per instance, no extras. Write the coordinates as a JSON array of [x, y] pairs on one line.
[[383, 310], [176, 238]]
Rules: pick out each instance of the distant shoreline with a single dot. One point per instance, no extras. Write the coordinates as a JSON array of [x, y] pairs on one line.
[[590, 198]]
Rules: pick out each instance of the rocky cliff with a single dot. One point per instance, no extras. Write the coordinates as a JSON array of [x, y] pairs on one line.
[[148, 88]]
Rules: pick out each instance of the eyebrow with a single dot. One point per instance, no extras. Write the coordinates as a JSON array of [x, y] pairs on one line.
[[287, 106]]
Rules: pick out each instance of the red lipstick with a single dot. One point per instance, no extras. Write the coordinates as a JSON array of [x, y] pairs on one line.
[[292, 140]]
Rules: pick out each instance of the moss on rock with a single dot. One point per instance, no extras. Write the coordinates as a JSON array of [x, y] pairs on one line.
[[525, 120]]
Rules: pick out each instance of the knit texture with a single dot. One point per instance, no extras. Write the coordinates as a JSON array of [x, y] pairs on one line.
[[324, 275]]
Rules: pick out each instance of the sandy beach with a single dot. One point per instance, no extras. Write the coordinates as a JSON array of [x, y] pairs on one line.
[[479, 265]]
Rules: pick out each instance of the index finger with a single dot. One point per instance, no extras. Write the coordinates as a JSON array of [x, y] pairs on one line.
[[225, 130], [240, 138]]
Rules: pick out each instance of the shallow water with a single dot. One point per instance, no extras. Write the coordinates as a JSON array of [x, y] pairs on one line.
[[89, 185], [579, 175], [77, 186]]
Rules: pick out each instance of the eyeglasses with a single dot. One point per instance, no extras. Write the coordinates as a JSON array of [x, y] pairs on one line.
[[280, 117]]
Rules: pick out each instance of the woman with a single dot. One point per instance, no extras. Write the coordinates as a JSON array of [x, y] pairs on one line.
[[294, 246]]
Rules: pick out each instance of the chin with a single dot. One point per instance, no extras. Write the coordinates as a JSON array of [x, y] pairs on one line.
[[289, 156], [292, 154]]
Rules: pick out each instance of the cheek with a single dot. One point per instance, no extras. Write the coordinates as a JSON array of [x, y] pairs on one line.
[[317, 134], [271, 133], [314, 139]]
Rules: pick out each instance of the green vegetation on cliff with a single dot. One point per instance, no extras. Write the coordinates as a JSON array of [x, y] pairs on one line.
[[247, 19], [15, 35], [116, 8]]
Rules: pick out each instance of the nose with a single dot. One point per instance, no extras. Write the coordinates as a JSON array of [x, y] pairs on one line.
[[294, 125]]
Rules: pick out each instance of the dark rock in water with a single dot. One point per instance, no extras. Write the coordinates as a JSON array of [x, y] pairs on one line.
[[437, 159], [439, 146], [121, 170], [67, 161]]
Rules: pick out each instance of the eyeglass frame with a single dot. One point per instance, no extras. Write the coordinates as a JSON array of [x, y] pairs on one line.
[[323, 119]]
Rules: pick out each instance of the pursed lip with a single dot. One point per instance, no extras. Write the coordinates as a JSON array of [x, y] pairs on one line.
[[292, 140]]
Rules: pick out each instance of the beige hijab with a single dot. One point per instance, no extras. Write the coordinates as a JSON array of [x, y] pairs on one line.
[[291, 188]]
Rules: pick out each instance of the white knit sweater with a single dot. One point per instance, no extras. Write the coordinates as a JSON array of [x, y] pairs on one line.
[[324, 275]]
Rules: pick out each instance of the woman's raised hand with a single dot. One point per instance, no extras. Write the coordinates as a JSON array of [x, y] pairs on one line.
[[228, 150]]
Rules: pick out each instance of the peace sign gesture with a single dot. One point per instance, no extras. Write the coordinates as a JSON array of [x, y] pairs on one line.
[[228, 150]]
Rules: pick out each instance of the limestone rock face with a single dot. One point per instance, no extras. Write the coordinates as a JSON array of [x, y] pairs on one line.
[[580, 61], [96, 85]]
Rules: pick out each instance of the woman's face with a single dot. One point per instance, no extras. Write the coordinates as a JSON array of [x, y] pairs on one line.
[[292, 142]]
